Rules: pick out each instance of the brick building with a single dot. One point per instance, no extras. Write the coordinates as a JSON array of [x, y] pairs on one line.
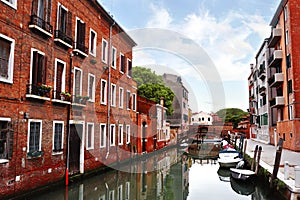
[[67, 98], [283, 77]]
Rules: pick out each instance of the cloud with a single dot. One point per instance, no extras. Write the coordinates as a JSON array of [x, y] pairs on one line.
[[161, 17]]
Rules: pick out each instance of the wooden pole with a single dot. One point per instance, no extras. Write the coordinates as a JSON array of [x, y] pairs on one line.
[[254, 158], [258, 159], [277, 162]]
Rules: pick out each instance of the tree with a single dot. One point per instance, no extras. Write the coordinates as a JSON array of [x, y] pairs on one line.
[[233, 115], [151, 86]]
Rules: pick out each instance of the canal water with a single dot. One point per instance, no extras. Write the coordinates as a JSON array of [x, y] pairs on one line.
[[167, 175]]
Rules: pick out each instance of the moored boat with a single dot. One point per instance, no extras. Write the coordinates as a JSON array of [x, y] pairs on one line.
[[241, 174], [229, 158]]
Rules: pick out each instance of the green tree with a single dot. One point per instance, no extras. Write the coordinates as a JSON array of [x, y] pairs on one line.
[[151, 86], [233, 115]]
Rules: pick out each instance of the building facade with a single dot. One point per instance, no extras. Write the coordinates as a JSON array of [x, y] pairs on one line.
[[68, 102], [201, 118]]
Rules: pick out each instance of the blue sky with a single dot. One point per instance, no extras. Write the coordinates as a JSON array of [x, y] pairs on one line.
[[228, 32]]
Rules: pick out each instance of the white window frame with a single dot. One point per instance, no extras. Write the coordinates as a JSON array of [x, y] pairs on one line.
[[80, 92], [128, 100], [31, 61], [113, 94], [63, 86], [104, 135], [111, 194], [127, 190], [112, 135], [120, 63], [102, 197], [121, 97], [127, 134], [62, 134], [114, 58], [11, 60], [13, 4], [93, 51], [127, 67], [93, 87], [287, 38], [75, 47], [92, 135], [104, 51], [120, 192], [120, 134], [133, 101], [28, 133], [103, 99]]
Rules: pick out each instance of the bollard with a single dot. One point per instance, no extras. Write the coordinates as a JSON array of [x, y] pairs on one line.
[[286, 170], [297, 176]]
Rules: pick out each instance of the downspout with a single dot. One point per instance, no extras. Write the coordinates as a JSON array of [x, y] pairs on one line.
[[109, 90], [68, 122]]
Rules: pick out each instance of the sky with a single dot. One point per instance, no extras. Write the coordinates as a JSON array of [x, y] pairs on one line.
[[209, 43]]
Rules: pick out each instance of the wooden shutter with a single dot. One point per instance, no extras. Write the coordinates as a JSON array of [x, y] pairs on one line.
[[34, 7], [59, 18], [77, 82], [69, 24], [35, 64], [44, 69], [59, 72], [48, 11]]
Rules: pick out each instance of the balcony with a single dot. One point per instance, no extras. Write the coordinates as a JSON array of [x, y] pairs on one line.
[[61, 97], [275, 37], [62, 38], [276, 80], [262, 90], [38, 92], [277, 102], [275, 58], [78, 100], [80, 49], [262, 74], [40, 25]]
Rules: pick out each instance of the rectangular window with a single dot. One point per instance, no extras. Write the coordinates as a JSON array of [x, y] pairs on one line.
[[80, 37], [288, 61], [112, 134], [12, 3], [121, 97], [111, 195], [120, 135], [102, 135], [58, 136], [63, 32], [91, 83], [59, 78], [128, 100], [134, 102], [41, 15], [286, 13], [122, 63], [38, 68], [287, 37], [103, 91], [77, 82], [290, 87], [129, 68], [90, 136], [113, 94], [6, 138], [114, 58], [120, 192], [127, 191], [291, 112], [93, 42], [7, 48], [34, 135], [102, 197], [104, 50], [127, 134]]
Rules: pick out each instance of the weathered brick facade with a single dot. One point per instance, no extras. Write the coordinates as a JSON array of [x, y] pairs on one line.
[[70, 58]]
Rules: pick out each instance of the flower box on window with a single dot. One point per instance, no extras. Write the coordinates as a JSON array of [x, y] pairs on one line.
[[35, 154], [65, 96]]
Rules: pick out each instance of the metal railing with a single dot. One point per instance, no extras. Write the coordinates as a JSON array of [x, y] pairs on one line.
[[35, 20], [61, 35]]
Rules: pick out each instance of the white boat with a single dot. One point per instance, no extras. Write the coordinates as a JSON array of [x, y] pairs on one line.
[[241, 174], [229, 158]]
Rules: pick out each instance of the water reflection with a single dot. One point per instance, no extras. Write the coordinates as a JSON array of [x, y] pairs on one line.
[[176, 176]]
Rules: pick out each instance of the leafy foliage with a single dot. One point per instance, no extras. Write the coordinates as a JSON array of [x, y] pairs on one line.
[[233, 115], [151, 86]]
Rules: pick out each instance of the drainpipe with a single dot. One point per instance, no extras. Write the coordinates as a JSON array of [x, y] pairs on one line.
[[68, 122], [109, 90]]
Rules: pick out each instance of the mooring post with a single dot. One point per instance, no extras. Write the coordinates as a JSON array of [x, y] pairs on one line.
[[235, 138], [245, 147], [258, 159], [286, 170], [277, 162], [254, 158]]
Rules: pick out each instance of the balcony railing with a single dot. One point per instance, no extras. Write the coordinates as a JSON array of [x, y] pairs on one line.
[[59, 96], [81, 49], [275, 58], [79, 100], [276, 80], [33, 90], [277, 102], [262, 74], [262, 90], [41, 25], [275, 37], [63, 38]]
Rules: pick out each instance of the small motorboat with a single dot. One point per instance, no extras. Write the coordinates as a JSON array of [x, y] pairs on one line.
[[229, 158], [241, 174]]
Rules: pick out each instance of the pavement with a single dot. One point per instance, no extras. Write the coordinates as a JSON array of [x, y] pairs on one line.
[[268, 159]]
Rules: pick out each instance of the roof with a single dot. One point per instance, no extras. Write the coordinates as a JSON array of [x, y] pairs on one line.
[[277, 13]]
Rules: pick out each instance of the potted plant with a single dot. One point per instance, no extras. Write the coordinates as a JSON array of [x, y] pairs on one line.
[[65, 96], [83, 99]]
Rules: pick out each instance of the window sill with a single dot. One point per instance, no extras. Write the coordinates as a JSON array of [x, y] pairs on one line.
[[35, 154], [37, 97], [60, 101], [3, 161], [56, 153], [78, 105], [63, 42], [77, 51], [33, 26]]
